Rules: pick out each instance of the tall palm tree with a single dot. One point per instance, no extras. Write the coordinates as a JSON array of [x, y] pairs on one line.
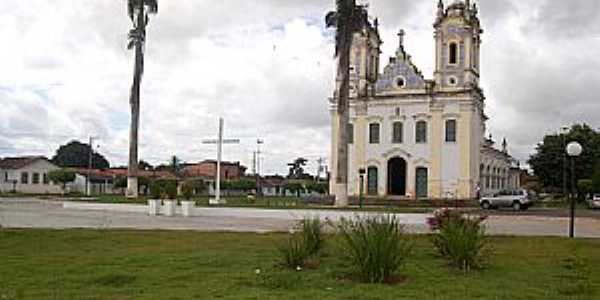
[[138, 11], [347, 19]]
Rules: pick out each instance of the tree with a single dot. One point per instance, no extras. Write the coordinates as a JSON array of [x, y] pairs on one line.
[[296, 168], [138, 11], [145, 166], [596, 178], [347, 19], [547, 162], [76, 154], [62, 176], [294, 187], [175, 164]]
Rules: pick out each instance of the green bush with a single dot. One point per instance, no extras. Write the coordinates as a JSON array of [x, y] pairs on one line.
[[303, 243], [187, 190], [460, 239], [155, 190], [376, 247], [171, 189]]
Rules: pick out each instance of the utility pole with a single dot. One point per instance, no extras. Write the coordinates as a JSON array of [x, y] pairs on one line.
[[219, 142], [88, 190], [257, 166]]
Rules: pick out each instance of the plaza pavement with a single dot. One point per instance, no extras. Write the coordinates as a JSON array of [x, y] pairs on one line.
[[35, 213]]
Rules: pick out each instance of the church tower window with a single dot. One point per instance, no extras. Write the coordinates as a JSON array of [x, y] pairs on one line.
[[397, 133], [374, 133], [451, 131], [421, 132], [453, 53]]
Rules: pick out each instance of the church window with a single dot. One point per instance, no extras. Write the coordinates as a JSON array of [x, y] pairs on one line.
[[421, 132], [453, 53], [350, 133], [374, 133], [372, 181], [397, 133], [400, 82], [451, 131], [452, 81]]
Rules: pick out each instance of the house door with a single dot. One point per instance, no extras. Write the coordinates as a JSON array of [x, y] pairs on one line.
[[421, 183]]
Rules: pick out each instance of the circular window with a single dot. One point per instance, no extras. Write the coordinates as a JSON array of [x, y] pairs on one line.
[[400, 82], [452, 81]]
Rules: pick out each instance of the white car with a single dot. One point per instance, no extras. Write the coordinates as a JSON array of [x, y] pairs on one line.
[[518, 200], [595, 201]]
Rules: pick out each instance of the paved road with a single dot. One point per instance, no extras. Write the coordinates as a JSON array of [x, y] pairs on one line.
[[33, 213]]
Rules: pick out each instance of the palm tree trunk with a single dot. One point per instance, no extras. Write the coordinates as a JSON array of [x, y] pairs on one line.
[[134, 100], [341, 178]]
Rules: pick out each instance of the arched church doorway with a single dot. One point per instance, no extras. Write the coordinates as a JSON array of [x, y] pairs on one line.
[[396, 177]]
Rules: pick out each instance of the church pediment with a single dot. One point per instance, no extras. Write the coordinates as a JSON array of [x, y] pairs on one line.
[[400, 75]]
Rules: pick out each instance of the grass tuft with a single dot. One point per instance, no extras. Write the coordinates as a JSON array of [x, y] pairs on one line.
[[375, 247]]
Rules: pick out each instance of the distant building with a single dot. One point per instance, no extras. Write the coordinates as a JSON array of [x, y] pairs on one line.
[[27, 174], [208, 169]]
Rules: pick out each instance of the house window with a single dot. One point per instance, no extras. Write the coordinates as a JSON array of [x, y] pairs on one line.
[[24, 178], [453, 51], [35, 178], [350, 133], [374, 133], [45, 179], [372, 183], [421, 132], [397, 133], [5, 176], [451, 131]]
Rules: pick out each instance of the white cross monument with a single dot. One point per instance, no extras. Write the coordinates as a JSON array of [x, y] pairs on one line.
[[219, 142]]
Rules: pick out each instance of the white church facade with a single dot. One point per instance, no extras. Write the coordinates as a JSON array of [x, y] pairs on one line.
[[416, 137]]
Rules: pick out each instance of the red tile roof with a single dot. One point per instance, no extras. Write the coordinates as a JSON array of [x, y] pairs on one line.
[[14, 163]]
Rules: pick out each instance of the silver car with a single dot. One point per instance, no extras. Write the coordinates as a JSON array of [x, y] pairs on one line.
[[518, 199], [595, 201]]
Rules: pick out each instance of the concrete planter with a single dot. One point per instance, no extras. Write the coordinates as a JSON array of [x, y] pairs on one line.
[[169, 207], [187, 207], [153, 207]]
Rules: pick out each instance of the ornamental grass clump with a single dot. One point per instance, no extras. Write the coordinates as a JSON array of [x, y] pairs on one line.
[[375, 247], [303, 243], [460, 238]]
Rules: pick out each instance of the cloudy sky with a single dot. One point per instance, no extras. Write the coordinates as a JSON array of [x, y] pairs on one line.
[[266, 66]]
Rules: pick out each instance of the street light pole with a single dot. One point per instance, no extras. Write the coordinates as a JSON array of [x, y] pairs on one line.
[[573, 149], [361, 173]]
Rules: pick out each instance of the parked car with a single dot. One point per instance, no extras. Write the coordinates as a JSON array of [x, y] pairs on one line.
[[595, 201], [518, 199]]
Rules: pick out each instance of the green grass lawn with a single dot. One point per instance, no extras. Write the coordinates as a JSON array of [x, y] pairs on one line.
[[84, 264]]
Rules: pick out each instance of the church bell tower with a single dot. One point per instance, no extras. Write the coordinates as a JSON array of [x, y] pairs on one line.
[[457, 39]]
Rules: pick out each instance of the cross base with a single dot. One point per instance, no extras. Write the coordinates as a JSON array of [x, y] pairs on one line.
[[214, 201]]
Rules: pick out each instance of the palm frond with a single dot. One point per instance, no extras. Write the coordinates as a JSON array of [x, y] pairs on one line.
[[152, 6]]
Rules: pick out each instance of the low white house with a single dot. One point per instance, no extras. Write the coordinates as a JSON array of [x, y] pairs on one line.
[[28, 174]]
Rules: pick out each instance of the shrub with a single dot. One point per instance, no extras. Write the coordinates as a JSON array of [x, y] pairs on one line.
[[460, 239], [155, 190], [62, 176], [376, 247], [302, 244], [312, 234], [187, 190], [171, 189]]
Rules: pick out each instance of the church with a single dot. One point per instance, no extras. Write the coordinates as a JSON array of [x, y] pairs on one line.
[[418, 138]]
